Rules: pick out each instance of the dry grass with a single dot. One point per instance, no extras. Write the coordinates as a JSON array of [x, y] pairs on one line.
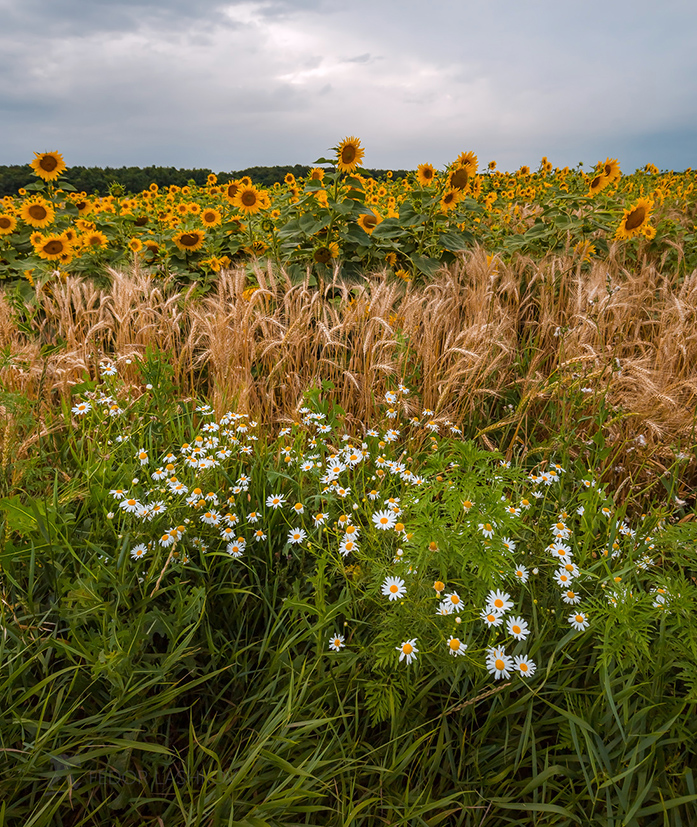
[[479, 334]]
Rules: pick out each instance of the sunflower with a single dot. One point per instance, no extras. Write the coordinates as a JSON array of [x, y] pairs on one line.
[[468, 160], [449, 200], [193, 208], [48, 165], [83, 206], [188, 241], [151, 246], [7, 223], [211, 179], [369, 221], [349, 154], [230, 191], [425, 174], [458, 178], [53, 248], [248, 199], [95, 239], [635, 219], [598, 183], [135, 244], [316, 174], [37, 212], [289, 178], [611, 169], [323, 255], [211, 217]]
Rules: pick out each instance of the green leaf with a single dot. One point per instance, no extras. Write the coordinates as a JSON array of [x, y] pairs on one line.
[[455, 240], [424, 264]]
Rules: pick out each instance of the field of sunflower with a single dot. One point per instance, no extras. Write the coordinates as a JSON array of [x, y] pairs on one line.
[[335, 217], [284, 546]]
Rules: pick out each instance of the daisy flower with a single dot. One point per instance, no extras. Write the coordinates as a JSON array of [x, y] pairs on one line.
[[82, 408], [517, 628], [319, 518], [142, 457], [487, 530], [336, 643], [455, 646], [444, 609], [499, 663], [526, 667], [407, 650], [296, 535], [571, 597], [491, 617], [118, 493], [299, 508], [347, 546], [259, 535], [563, 578], [275, 501], [384, 520], [253, 517], [131, 506], [499, 601], [236, 548], [393, 587], [522, 574], [139, 551], [454, 600], [579, 621], [508, 544]]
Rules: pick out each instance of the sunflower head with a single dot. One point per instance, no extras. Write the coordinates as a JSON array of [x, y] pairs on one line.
[[324, 254], [635, 219], [459, 177], [598, 183], [48, 165], [248, 199], [189, 241], [54, 248], [7, 223], [469, 161], [349, 154], [37, 212], [450, 198], [369, 221], [95, 239], [611, 169], [135, 245], [425, 174], [211, 217]]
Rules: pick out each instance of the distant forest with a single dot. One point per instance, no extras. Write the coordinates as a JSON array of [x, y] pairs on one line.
[[97, 181]]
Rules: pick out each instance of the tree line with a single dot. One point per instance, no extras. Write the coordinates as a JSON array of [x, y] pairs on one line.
[[131, 180]]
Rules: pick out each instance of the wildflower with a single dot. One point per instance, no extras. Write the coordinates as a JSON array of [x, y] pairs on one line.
[[499, 663], [158, 474], [563, 578], [487, 530], [491, 617], [467, 506], [82, 408], [107, 369], [236, 548], [275, 501], [296, 535], [259, 535], [336, 643], [571, 597], [253, 517], [408, 650], [455, 646], [522, 574], [438, 587], [393, 588], [118, 493], [499, 601], [347, 546], [299, 508], [508, 544], [518, 628], [454, 600], [131, 506], [579, 621], [139, 551], [384, 520], [526, 667]]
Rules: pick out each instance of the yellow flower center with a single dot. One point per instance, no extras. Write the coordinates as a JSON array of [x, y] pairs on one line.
[[394, 589], [516, 630], [523, 667], [579, 618], [407, 648], [454, 644], [499, 664]]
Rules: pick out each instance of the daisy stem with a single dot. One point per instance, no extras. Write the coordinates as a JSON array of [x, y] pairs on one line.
[[162, 573]]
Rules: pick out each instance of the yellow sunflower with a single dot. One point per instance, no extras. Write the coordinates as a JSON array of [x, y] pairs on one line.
[[135, 244], [425, 174], [289, 178], [349, 154], [211, 217], [316, 174], [37, 212], [611, 169], [188, 241], [248, 199], [369, 221], [7, 223], [468, 160], [95, 239], [48, 165], [53, 248], [449, 200], [598, 183], [635, 219], [323, 255], [458, 177]]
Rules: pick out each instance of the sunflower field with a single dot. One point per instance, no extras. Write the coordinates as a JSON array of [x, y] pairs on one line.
[[335, 217], [350, 502]]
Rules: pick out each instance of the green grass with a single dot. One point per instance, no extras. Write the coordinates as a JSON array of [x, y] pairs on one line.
[[200, 689]]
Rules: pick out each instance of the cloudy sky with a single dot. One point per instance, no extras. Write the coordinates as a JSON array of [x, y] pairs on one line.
[[226, 85]]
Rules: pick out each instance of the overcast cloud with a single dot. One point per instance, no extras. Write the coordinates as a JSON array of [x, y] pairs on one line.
[[226, 85]]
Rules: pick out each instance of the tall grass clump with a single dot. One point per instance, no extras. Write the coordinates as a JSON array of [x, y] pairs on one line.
[[346, 617]]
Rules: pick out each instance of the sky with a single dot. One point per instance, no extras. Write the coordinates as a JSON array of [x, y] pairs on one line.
[[228, 85]]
